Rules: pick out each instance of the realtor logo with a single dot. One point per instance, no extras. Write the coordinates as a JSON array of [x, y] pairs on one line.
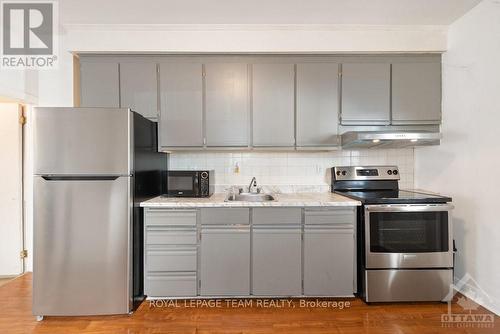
[[28, 34]]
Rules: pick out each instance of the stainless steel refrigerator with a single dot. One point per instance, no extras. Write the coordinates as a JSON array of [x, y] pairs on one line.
[[92, 167]]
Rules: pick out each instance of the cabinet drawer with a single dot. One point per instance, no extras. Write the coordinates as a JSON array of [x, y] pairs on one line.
[[171, 259], [170, 285], [277, 216], [155, 217], [225, 216], [170, 236], [327, 217]]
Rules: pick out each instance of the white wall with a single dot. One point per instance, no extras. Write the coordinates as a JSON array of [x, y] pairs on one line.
[[11, 196], [466, 165]]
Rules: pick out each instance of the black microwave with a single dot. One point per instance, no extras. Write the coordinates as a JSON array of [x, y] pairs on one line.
[[190, 183]]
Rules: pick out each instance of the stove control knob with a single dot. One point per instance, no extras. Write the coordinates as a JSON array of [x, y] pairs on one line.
[[389, 172], [395, 172], [338, 173], [344, 173]]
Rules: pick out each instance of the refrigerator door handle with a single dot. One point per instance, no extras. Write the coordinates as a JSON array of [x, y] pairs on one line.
[[80, 178]]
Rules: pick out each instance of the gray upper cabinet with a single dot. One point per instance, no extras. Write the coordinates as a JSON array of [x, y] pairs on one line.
[[273, 105], [139, 88], [181, 111], [416, 93], [99, 84], [317, 104], [365, 93], [227, 104]]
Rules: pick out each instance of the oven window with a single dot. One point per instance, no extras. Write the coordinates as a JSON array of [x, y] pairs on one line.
[[408, 232], [181, 183]]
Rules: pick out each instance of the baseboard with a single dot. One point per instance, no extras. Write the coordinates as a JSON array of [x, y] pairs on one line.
[[471, 292]]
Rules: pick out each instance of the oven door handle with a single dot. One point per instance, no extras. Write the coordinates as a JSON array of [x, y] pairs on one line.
[[408, 207]]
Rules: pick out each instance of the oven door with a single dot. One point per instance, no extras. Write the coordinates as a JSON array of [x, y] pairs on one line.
[[183, 184], [408, 236]]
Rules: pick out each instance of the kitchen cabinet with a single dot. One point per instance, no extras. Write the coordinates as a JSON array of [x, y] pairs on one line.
[[225, 252], [365, 93], [181, 108], [273, 95], [317, 104], [416, 93], [277, 247], [139, 88], [99, 84], [170, 253], [226, 104], [329, 252]]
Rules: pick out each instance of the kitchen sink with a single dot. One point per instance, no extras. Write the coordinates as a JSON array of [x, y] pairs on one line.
[[249, 197]]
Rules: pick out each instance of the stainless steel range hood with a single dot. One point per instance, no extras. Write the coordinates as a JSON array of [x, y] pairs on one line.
[[389, 139]]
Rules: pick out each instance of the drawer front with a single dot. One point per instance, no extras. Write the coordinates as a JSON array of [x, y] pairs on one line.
[[170, 285], [155, 217], [225, 216], [327, 217], [277, 216], [170, 236], [171, 259]]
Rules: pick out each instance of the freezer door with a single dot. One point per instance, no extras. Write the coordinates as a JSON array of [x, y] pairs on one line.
[[81, 246], [81, 141]]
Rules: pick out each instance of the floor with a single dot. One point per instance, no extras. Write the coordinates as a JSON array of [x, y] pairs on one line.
[[418, 318], [5, 280]]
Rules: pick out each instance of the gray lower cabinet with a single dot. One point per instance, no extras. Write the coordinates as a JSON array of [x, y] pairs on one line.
[[139, 88], [170, 253], [317, 104], [329, 252], [282, 252], [416, 93], [273, 95], [276, 252], [366, 93], [226, 104], [225, 252], [181, 108], [99, 84]]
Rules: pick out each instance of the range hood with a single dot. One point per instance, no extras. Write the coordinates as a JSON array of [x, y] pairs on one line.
[[389, 139]]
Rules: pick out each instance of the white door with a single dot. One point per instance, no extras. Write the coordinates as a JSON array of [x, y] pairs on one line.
[[11, 238]]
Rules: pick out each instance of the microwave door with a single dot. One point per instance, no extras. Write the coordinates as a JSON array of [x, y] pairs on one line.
[[182, 184]]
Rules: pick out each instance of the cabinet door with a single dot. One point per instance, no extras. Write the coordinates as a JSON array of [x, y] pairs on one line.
[[227, 104], [99, 84], [365, 94], [328, 261], [416, 93], [225, 260], [139, 88], [277, 260], [181, 105], [317, 104], [273, 105]]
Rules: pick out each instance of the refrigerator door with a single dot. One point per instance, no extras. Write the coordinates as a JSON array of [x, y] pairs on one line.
[[82, 231], [82, 141]]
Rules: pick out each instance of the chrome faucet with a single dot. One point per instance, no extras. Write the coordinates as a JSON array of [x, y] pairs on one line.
[[253, 185]]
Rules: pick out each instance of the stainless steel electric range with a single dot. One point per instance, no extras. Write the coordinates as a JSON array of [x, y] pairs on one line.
[[405, 243]]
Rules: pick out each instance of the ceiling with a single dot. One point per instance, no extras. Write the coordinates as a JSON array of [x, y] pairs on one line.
[[356, 12]]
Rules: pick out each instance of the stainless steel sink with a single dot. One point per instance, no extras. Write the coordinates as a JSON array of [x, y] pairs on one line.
[[249, 197]]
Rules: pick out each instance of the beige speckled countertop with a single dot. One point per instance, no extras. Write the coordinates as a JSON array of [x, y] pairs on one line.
[[217, 200]]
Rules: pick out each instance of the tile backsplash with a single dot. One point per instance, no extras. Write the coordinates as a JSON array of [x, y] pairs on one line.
[[290, 171]]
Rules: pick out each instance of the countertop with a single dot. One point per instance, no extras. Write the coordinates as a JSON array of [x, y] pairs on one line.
[[281, 200]]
